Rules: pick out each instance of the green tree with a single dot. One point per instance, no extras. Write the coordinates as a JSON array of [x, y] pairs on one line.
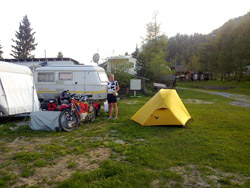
[[120, 68], [153, 30], [226, 51], [25, 40], [134, 54], [207, 58], [241, 45], [182, 47], [193, 63], [1, 52], [152, 59], [156, 55], [59, 55], [142, 66], [158, 65]]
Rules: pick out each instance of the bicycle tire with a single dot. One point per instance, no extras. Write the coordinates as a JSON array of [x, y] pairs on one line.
[[68, 120]]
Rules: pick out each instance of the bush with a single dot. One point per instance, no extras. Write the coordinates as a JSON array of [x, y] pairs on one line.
[[120, 68], [245, 78], [123, 79]]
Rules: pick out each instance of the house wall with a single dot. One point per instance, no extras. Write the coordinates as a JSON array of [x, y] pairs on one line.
[[248, 69], [134, 61], [111, 64]]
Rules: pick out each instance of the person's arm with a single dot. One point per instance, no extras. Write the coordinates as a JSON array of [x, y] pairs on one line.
[[117, 87], [107, 88]]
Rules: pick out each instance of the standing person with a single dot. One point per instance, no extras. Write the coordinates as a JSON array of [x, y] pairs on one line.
[[112, 89]]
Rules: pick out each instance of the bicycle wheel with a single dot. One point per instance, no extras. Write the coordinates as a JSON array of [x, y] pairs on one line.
[[91, 112], [68, 120]]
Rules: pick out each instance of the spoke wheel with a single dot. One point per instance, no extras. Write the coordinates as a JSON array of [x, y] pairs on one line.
[[68, 120]]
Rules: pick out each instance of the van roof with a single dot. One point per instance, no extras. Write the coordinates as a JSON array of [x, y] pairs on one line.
[[71, 68], [10, 67], [28, 60]]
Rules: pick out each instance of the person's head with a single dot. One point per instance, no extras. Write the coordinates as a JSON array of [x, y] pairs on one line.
[[111, 77]]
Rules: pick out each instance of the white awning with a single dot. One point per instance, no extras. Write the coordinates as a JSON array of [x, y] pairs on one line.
[[9, 67], [17, 85]]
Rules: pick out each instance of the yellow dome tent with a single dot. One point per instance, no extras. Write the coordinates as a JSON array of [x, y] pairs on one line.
[[165, 108]]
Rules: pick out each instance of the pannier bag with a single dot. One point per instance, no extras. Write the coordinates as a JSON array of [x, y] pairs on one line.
[[44, 105], [52, 104]]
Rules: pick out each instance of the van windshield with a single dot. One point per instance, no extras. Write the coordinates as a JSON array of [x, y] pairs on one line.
[[103, 76]]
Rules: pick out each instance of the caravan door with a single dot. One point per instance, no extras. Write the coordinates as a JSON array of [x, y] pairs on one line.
[[91, 84], [65, 81], [80, 82]]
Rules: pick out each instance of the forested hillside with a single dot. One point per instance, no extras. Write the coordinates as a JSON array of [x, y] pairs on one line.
[[224, 52]]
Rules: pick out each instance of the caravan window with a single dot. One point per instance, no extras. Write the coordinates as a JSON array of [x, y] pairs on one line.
[[46, 77], [65, 76], [103, 76]]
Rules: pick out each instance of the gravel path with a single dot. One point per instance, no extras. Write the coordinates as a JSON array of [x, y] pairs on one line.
[[241, 100]]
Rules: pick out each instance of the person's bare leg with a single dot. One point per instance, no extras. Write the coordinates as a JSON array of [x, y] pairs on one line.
[[116, 109], [110, 110]]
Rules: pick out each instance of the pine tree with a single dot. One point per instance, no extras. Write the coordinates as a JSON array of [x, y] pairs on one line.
[[153, 64], [59, 55], [1, 52], [25, 42], [142, 65], [153, 30], [134, 54]]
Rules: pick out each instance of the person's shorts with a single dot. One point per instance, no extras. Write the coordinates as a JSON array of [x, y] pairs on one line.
[[111, 98]]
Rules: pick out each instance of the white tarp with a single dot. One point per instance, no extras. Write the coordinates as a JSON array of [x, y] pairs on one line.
[[18, 89]]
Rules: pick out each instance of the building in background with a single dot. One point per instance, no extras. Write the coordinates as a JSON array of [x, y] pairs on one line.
[[248, 69], [127, 63]]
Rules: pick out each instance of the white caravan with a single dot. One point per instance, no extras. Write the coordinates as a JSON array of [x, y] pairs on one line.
[[83, 79], [17, 90]]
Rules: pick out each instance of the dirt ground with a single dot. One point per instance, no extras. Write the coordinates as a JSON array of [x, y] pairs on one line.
[[197, 101], [243, 104], [193, 176], [61, 170], [217, 87]]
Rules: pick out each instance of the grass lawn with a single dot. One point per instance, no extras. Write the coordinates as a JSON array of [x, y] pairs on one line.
[[230, 87], [214, 150]]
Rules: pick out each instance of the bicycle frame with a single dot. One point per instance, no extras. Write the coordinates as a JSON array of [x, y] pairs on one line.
[[81, 108]]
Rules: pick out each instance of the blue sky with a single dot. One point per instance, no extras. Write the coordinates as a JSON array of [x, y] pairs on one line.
[[80, 28]]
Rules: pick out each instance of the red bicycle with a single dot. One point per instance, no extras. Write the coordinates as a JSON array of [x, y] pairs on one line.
[[74, 110]]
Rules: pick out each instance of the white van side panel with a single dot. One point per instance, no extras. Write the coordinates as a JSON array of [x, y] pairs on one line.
[[86, 82]]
